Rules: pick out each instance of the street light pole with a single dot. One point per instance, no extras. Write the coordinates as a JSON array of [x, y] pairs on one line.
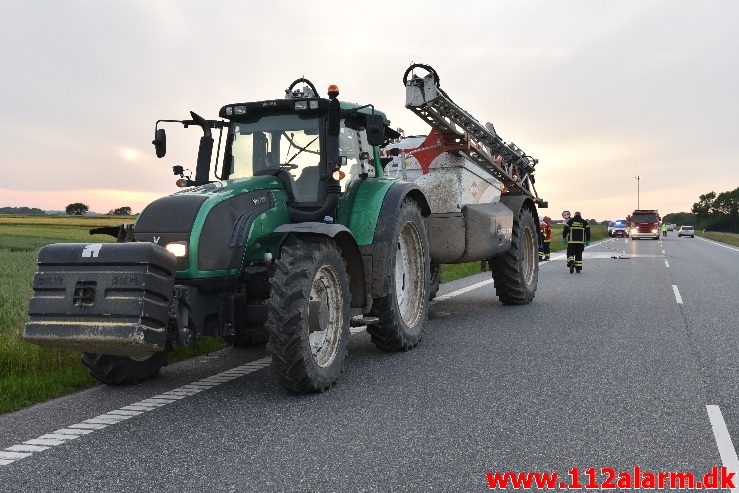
[[637, 191]]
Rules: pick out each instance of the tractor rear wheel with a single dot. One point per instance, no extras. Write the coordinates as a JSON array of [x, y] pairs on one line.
[[402, 312], [121, 370], [309, 315], [516, 272]]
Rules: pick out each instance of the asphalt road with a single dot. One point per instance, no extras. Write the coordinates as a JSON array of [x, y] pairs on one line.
[[603, 369]]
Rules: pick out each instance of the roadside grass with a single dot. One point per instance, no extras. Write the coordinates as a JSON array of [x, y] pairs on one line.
[[728, 238], [30, 373], [451, 272]]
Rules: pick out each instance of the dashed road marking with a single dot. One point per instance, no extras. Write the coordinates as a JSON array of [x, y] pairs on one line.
[[726, 448], [678, 298], [663, 252], [667, 264], [88, 426]]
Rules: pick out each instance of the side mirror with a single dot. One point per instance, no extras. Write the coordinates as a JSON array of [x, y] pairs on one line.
[[375, 125], [160, 142]]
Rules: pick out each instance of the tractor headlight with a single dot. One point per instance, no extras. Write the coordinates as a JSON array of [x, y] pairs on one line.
[[633, 231], [178, 248], [301, 105], [239, 110], [654, 230]]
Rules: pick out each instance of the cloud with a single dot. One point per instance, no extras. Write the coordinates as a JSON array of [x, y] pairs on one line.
[[598, 91]]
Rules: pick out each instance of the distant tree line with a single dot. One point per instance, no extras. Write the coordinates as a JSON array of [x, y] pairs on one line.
[[715, 212], [29, 211]]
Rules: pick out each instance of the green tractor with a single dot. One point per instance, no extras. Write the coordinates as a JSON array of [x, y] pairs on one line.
[[300, 237]]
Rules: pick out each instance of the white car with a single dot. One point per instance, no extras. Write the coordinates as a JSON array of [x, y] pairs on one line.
[[686, 231]]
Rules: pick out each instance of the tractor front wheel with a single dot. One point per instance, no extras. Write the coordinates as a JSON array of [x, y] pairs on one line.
[[402, 312], [121, 370], [309, 315]]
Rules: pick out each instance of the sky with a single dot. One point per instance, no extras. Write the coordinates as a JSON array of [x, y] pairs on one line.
[[600, 91]]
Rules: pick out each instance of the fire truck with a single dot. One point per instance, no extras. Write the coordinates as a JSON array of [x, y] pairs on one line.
[[644, 223]]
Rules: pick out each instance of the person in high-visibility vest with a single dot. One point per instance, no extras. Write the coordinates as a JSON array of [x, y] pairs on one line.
[[664, 229], [576, 235], [545, 238]]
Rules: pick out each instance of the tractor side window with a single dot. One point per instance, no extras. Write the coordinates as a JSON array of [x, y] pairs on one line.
[[352, 142]]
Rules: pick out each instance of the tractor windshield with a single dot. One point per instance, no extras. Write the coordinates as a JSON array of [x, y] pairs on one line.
[[279, 141]]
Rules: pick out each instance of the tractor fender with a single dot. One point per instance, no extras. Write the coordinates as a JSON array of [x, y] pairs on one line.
[[377, 255], [344, 238], [516, 202]]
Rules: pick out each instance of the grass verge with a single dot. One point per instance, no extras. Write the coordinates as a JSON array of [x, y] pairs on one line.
[[728, 238]]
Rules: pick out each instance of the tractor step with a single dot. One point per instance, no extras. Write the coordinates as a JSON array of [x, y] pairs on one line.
[[361, 321]]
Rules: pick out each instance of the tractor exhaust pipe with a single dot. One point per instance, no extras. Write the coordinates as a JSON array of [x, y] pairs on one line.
[[205, 151]]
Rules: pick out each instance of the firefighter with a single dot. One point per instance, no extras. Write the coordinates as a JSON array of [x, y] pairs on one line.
[[576, 235], [545, 238]]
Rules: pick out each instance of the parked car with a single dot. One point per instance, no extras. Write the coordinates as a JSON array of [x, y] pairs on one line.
[[686, 231], [670, 227], [619, 227]]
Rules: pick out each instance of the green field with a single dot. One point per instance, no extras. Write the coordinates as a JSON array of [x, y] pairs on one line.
[[29, 373]]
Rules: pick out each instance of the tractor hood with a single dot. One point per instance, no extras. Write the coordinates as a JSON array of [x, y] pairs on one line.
[[212, 221]]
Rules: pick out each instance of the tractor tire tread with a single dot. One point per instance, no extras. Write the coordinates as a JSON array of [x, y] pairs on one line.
[[288, 314], [506, 268]]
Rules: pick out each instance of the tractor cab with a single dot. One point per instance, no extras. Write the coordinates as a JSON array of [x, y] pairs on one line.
[[314, 146]]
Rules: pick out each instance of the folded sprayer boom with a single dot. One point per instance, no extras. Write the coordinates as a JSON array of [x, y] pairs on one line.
[[505, 161]]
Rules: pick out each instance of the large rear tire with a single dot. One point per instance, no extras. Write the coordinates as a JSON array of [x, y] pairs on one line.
[[402, 312], [123, 370], [309, 316], [516, 273]]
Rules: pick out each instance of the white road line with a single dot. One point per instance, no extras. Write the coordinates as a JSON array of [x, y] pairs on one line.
[[13, 455], [70, 431], [667, 264], [88, 426], [472, 287], [27, 448], [723, 441], [718, 243], [116, 416], [663, 252], [678, 298]]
